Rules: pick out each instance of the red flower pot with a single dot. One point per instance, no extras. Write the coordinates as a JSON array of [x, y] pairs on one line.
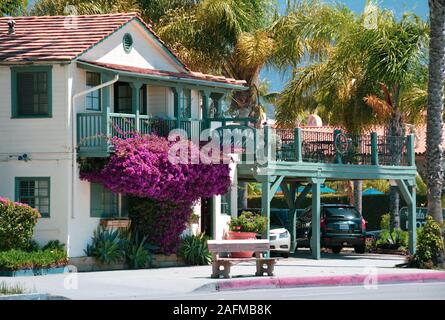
[[237, 235]]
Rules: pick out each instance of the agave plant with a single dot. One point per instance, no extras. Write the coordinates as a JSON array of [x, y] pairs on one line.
[[194, 250], [106, 246]]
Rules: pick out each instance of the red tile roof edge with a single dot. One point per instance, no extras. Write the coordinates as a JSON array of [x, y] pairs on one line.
[[189, 75]]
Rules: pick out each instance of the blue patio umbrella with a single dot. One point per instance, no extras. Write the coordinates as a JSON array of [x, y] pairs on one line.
[[371, 191], [323, 189]]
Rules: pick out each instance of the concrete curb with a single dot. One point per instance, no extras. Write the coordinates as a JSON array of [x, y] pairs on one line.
[[343, 280]]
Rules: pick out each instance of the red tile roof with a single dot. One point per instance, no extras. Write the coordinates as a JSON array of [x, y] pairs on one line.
[[180, 75], [60, 38]]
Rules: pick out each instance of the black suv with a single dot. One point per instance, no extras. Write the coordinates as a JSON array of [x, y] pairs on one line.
[[340, 226]]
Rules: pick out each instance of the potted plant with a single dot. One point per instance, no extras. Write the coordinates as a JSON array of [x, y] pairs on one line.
[[246, 227]]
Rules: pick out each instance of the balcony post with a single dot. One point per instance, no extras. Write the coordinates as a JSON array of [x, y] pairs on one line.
[[135, 103], [178, 93], [297, 144], [410, 150], [106, 125], [374, 149], [338, 158], [205, 108]]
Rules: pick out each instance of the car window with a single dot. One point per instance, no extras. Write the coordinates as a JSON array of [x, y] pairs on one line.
[[341, 212]]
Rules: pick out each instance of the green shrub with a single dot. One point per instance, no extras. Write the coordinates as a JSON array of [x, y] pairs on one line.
[[17, 259], [17, 222], [106, 246], [137, 251], [194, 250], [54, 245], [429, 247], [248, 222], [395, 240]]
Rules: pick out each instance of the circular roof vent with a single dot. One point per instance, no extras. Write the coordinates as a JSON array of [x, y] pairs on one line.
[[127, 42]]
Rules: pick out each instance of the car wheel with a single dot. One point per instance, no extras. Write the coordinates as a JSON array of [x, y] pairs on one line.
[[359, 249], [285, 255], [336, 249]]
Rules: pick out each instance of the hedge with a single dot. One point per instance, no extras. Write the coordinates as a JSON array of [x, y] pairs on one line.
[[13, 260], [374, 206], [17, 222]]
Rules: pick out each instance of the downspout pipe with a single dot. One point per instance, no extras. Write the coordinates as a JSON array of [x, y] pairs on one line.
[[73, 135]]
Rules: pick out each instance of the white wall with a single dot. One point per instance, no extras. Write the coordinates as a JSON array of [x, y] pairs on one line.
[[160, 101], [35, 135], [146, 53]]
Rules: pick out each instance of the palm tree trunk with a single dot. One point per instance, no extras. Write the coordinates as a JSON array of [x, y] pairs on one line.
[[395, 142], [434, 152], [358, 195]]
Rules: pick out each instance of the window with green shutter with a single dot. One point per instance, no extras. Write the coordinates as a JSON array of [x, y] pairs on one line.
[[92, 99], [34, 192], [106, 204], [31, 92]]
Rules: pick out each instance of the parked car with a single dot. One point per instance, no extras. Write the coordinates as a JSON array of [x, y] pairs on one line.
[[340, 226], [279, 236]]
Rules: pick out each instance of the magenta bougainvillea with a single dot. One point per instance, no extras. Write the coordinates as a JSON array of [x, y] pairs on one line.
[[140, 167]]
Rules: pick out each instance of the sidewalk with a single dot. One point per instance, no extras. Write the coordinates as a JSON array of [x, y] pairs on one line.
[[158, 283]]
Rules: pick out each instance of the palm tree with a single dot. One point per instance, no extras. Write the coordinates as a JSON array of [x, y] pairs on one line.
[[63, 7], [365, 73], [434, 152], [13, 7]]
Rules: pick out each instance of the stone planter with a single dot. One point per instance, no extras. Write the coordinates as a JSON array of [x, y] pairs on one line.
[[237, 235], [163, 261], [33, 272], [89, 264], [115, 223]]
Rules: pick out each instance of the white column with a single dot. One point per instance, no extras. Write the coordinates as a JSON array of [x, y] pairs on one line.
[[233, 193], [217, 228]]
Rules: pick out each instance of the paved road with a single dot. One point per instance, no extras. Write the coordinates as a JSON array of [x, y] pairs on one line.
[[417, 291]]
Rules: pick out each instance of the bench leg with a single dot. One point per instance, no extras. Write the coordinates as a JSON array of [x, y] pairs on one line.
[[216, 269], [265, 266]]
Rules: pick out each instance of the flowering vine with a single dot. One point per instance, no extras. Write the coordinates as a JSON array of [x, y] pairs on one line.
[[140, 167]]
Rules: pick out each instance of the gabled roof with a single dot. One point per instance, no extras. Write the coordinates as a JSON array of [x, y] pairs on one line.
[[166, 74], [63, 38]]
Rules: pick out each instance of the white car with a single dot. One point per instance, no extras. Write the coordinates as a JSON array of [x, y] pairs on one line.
[[279, 239]]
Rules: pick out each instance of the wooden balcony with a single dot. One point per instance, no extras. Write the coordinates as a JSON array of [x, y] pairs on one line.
[[94, 129]]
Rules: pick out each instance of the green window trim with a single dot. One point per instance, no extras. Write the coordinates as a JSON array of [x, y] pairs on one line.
[[95, 95], [106, 204], [32, 198], [14, 90]]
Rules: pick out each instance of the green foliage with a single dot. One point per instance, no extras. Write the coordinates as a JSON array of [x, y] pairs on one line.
[[33, 246], [385, 222], [430, 245], [114, 245], [17, 259], [194, 250], [396, 239], [8, 289], [13, 7], [381, 185], [17, 222], [420, 185], [54, 245], [106, 246], [249, 222], [137, 251]]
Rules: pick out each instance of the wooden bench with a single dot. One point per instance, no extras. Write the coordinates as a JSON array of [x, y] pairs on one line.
[[263, 265]]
